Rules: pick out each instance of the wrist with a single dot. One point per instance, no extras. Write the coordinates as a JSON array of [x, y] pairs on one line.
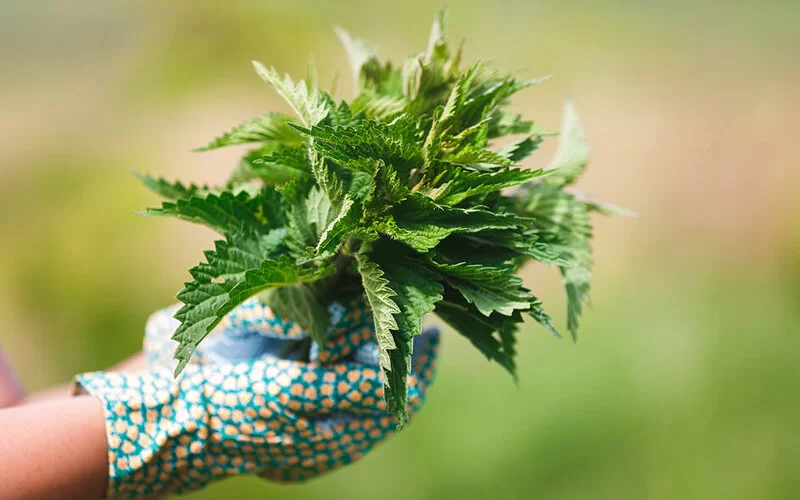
[[156, 429]]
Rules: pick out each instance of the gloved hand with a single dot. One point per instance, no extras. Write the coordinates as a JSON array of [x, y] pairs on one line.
[[239, 408]]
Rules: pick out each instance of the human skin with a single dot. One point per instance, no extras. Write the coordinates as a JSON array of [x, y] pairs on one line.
[[53, 445], [53, 449]]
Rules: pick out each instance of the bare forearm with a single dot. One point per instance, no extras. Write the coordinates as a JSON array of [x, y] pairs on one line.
[[11, 392], [53, 450]]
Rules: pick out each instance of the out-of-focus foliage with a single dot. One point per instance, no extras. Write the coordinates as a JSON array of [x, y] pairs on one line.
[[683, 383]]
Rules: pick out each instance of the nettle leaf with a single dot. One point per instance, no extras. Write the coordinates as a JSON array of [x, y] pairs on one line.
[[577, 276], [445, 120], [224, 213], [438, 51], [381, 300], [306, 217], [358, 53], [518, 151], [508, 341], [562, 222], [273, 165], [170, 190], [572, 154], [502, 122], [420, 223], [379, 107], [537, 312], [482, 331], [417, 290], [270, 127], [235, 271], [489, 289], [318, 211], [465, 184], [476, 158], [327, 178], [359, 146], [342, 226], [558, 216], [340, 115], [307, 103], [385, 188], [271, 274], [412, 77]]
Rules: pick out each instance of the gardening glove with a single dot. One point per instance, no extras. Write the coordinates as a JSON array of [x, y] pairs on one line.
[[227, 414]]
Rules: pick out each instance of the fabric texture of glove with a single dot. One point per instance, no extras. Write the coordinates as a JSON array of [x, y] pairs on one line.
[[231, 412]]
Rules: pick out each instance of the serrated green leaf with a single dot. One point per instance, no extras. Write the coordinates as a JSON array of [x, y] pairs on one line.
[[381, 300], [420, 223], [502, 123], [489, 289], [519, 150], [327, 178], [344, 224], [577, 277], [272, 165], [437, 40], [306, 206], [308, 104], [465, 184], [358, 147], [318, 211], [537, 312], [417, 291], [236, 270], [508, 341], [340, 115], [412, 77], [382, 108], [446, 120], [480, 330], [476, 158], [382, 79], [271, 274], [269, 127], [562, 222], [572, 154], [358, 53], [224, 213], [169, 190], [385, 188]]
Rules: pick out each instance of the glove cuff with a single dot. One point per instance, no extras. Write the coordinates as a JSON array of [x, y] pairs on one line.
[[157, 429]]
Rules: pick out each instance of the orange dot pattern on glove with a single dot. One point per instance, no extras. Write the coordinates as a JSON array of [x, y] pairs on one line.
[[283, 420]]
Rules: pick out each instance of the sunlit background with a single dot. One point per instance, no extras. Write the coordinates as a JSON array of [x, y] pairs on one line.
[[685, 382]]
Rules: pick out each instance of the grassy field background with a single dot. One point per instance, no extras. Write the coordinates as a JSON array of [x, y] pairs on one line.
[[685, 381]]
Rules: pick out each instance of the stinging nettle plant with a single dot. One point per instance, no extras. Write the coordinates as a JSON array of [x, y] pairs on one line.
[[400, 196]]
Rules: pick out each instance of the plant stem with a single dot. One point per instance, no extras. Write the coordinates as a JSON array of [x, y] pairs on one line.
[[341, 262]]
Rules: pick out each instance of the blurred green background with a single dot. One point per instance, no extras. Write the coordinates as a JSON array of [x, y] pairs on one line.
[[685, 383]]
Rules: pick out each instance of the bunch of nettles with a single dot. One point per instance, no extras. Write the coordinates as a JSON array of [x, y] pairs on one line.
[[400, 196]]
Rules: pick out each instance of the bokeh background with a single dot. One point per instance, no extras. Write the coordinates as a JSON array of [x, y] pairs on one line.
[[686, 380]]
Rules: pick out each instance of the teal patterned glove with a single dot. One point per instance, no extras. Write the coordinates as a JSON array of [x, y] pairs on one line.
[[227, 414]]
